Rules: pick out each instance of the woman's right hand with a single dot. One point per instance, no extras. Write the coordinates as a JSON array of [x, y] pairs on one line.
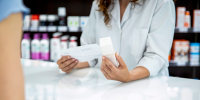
[[67, 63]]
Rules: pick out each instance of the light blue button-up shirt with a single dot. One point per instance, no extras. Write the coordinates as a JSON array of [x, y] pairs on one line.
[[8, 7], [143, 37]]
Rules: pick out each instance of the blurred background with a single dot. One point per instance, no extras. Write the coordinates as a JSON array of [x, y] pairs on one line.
[[53, 25]]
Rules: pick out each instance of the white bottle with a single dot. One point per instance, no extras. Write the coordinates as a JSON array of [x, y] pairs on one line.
[[180, 17], [64, 42], [55, 47], [44, 47], [35, 47], [73, 42], [26, 23], [25, 46], [108, 50], [187, 23]]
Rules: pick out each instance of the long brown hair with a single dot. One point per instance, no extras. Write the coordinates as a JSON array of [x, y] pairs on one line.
[[104, 6]]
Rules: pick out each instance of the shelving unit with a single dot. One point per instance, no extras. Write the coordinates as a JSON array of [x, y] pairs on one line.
[[82, 8]]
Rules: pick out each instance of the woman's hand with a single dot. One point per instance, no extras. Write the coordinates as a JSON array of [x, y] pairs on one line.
[[111, 72], [67, 63]]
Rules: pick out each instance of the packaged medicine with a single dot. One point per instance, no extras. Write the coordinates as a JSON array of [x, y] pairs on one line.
[[194, 54], [196, 23], [181, 52], [108, 50], [83, 53]]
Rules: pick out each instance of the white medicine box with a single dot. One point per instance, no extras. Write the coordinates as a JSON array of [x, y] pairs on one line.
[[196, 19], [83, 21], [73, 23]]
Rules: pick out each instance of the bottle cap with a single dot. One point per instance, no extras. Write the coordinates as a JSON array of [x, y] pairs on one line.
[[35, 17], [37, 36], [73, 38], [187, 13], [26, 36], [57, 35], [45, 36], [65, 37]]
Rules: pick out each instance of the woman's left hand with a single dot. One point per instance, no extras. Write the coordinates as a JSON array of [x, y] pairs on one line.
[[112, 72]]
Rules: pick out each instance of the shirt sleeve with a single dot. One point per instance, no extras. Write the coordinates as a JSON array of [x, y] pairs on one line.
[[8, 7], [88, 35], [160, 38]]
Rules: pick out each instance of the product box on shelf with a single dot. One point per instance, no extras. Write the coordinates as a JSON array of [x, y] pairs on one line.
[[52, 23], [196, 19], [73, 23], [43, 23], [181, 52], [194, 54], [62, 25], [83, 21]]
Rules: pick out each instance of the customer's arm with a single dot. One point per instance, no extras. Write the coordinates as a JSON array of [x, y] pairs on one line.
[[11, 75]]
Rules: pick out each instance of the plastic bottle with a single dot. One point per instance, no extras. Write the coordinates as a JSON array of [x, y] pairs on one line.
[[187, 23], [73, 42], [44, 47], [64, 42], [35, 47], [55, 47], [34, 23], [107, 49], [25, 46]]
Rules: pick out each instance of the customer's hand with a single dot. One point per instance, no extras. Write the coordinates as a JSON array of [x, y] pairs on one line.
[[111, 72], [67, 63]]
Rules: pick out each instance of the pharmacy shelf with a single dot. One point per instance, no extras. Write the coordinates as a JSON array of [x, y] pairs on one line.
[[192, 37], [185, 71], [189, 31]]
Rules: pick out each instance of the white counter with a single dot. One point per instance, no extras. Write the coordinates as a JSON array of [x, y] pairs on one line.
[[44, 82]]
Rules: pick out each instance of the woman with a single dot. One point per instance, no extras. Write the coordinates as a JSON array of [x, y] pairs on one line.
[[11, 76], [141, 31]]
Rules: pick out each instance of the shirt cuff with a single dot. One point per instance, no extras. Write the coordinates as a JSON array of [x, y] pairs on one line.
[[92, 63]]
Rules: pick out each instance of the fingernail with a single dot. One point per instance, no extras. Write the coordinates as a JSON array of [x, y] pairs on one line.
[[103, 57]]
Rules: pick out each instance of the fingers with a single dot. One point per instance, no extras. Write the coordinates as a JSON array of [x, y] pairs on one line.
[[63, 59], [109, 64], [105, 74], [70, 67], [120, 60], [67, 63]]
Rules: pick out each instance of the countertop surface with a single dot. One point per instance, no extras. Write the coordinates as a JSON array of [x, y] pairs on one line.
[[44, 81]]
